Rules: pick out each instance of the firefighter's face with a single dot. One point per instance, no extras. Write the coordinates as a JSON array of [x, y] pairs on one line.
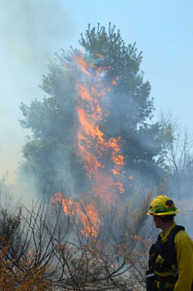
[[157, 221]]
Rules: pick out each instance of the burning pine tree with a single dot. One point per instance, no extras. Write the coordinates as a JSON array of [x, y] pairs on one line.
[[94, 128]]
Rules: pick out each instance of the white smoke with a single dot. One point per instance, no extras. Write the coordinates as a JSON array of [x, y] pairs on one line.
[[31, 32]]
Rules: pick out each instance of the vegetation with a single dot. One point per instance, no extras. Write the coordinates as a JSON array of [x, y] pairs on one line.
[[54, 253]]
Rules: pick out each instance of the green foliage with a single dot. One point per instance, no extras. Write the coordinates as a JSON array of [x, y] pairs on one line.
[[123, 64]]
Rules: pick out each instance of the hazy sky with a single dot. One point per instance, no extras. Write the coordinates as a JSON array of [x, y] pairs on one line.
[[31, 31]]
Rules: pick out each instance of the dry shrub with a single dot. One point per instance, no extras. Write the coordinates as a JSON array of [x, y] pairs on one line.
[[15, 276]]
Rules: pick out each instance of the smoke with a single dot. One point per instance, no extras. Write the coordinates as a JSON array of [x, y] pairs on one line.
[[31, 32]]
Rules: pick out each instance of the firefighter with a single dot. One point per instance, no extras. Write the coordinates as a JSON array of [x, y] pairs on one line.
[[171, 256]]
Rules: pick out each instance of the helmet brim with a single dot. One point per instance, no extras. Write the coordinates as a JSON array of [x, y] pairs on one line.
[[172, 212]]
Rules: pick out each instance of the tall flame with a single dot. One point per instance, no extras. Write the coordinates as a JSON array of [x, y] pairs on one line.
[[101, 156], [93, 147]]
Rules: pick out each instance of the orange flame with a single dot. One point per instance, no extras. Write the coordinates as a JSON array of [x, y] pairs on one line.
[[92, 144], [90, 137], [100, 56], [101, 156], [114, 82], [89, 218]]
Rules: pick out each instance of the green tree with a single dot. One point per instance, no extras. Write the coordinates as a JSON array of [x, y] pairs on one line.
[[50, 154]]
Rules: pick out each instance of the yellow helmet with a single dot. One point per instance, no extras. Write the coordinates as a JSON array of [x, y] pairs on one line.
[[162, 205]]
